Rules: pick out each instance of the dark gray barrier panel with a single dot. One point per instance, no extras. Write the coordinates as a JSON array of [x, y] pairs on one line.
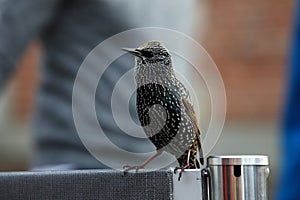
[[86, 184]]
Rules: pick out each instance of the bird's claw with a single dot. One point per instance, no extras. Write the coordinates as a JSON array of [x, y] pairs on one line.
[[180, 173], [128, 168], [175, 170]]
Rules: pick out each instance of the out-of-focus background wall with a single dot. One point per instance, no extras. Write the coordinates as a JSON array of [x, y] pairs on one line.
[[248, 40]]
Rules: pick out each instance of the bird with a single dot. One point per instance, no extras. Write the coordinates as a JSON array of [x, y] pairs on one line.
[[164, 107]]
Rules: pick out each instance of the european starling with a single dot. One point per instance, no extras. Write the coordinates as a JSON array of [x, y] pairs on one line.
[[164, 107]]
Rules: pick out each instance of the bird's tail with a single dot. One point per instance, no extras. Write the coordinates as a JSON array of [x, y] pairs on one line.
[[200, 149]]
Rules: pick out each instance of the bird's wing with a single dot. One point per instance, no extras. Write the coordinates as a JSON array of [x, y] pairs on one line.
[[191, 113], [184, 92]]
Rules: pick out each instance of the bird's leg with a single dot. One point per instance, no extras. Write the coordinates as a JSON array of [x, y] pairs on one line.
[[183, 167], [137, 167]]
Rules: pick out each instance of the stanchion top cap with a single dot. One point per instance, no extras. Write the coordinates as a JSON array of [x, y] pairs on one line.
[[238, 160]]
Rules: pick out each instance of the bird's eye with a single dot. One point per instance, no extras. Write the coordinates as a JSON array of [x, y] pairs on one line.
[[147, 54]]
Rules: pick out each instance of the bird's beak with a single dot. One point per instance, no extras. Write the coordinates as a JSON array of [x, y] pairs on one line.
[[133, 51]]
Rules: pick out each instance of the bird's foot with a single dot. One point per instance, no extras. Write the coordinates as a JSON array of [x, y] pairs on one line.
[[137, 167], [127, 168], [181, 171]]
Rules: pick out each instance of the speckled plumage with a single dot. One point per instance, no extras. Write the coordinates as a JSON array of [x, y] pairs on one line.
[[164, 105]]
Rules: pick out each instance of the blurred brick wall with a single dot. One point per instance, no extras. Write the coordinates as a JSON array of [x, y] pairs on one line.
[[249, 42]]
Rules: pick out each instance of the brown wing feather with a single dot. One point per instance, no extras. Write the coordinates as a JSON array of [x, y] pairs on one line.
[[191, 113]]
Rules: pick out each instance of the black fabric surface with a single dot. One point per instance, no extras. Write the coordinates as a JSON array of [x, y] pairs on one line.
[[86, 184]]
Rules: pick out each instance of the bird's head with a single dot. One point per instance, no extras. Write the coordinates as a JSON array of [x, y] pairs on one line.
[[151, 53]]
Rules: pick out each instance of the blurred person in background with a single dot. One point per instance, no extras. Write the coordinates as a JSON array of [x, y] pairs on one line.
[[68, 30], [289, 187]]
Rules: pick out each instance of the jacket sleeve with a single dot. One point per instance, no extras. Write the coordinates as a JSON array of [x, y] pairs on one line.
[[21, 21]]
